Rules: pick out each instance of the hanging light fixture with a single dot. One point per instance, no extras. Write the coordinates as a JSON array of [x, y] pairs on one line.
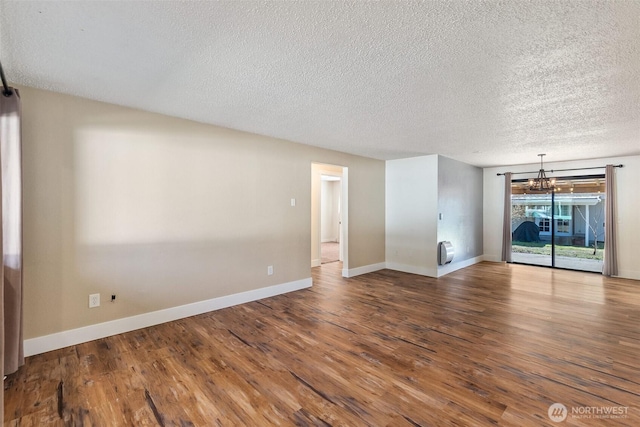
[[542, 183]]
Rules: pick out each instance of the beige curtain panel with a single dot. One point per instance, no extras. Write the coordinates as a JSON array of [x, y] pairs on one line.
[[610, 265], [11, 191], [506, 219]]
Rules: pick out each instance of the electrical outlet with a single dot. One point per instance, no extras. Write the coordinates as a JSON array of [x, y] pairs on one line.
[[94, 300], [270, 270]]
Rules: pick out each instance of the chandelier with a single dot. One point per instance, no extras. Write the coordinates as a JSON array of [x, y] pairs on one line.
[[542, 183]]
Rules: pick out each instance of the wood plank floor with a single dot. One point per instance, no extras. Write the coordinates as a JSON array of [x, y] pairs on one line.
[[491, 344]]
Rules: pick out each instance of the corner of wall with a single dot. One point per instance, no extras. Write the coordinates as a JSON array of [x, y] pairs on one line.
[[422, 271], [443, 270], [352, 272]]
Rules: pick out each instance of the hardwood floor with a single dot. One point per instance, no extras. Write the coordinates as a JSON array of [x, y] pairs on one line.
[[329, 252], [489, 344]]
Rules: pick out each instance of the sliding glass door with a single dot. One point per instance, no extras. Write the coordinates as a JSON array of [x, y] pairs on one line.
[[563, 228], [531, 227]]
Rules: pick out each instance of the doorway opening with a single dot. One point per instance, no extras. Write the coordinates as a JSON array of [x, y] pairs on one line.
[[563, 228], [330, 220], [328, 215]]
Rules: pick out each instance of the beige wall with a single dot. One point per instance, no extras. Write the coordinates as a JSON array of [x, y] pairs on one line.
[[163, 212]]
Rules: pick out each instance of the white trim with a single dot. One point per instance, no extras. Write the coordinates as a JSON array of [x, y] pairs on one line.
[[629, 274], [315, 263], [491, 258], [450, 268], [405, 268], [93, 332], [363, 270], [344, 230], [623, 274]]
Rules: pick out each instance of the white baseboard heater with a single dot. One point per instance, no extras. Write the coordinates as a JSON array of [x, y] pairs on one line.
[[445, 253]]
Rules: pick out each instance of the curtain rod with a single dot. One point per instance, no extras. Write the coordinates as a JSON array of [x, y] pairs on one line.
[[5, 91], [561, 170]]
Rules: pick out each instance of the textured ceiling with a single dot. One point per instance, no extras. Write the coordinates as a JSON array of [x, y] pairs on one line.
[[485, 82]]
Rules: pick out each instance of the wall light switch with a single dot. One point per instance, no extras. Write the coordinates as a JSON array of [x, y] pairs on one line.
[[293, 202]]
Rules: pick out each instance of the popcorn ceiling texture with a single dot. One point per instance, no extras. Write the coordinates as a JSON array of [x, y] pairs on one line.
[[483, 82]]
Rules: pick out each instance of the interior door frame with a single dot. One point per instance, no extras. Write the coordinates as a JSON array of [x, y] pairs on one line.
[[317, 170]]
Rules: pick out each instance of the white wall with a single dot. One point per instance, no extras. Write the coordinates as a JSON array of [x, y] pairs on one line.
[[628, 207], [412, 215], [417, 190], [330, 203], [460, 212]]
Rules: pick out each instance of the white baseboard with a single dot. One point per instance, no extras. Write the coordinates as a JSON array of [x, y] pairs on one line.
[[450, 268], [93, 332], [623, 274], [629, 274], [492, 258], [352, 272], [439, 271], [316, 263], [423, 271]]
